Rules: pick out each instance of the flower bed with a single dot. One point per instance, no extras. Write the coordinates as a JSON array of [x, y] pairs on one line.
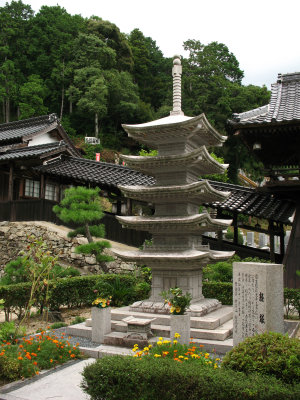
[[26, 357]]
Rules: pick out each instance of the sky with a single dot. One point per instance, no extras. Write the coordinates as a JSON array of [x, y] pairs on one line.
[[262, 34]]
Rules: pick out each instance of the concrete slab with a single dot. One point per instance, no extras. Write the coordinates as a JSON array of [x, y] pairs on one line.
[[61, 383]]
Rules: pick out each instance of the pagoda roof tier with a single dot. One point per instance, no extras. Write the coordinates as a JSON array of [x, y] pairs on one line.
[[176, 128], [199, 161], [199, 192], [198, 223], [188, 259]]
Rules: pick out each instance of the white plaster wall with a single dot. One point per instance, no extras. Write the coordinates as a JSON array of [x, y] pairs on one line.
[[42, 139]]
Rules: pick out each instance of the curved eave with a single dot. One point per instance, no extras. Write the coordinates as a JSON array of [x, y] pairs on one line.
[[163, 131], [193, 160], [193, 223], [196, 189], [141, 256]]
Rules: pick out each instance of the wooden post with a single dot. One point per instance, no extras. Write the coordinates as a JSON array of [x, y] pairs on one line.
[[281, 236], [129, 206], [271, 234], [10, 182], [42, 183], [119, 205]]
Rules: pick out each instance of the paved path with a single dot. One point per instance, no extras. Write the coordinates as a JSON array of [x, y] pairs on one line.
[[60, 384]]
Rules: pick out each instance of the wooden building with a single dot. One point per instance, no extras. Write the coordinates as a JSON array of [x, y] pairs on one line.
[[272, 133]]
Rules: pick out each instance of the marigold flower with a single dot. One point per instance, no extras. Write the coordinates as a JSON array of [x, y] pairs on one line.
[[180, 357], [72, 355], [175, 341], [157, 355], [159, 343], [177, 335], [37, 372], [21, 346], [27, 355], [34, 363], [34, 354], [51, 360]]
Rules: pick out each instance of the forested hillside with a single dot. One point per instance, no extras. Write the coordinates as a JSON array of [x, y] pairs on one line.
[[96, 77]]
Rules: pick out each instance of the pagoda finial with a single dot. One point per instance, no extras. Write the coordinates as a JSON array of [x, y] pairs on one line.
[[176, 73]]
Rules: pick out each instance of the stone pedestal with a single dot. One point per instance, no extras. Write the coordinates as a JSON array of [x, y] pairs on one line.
[[257, 299], [181, 324], [101, 323]]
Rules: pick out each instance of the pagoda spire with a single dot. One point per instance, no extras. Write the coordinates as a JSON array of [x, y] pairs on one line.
[[176, 73]]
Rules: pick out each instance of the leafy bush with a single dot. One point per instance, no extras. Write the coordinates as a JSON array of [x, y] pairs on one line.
[[292, 301], [10, 369], [219, 272], [16, 271], [270, 353], [120, 289], [77, 320], [8, 331], [221, 291], [58, 325], [129, 378]]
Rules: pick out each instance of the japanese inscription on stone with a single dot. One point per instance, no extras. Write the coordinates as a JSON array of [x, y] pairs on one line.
[[257, 303]]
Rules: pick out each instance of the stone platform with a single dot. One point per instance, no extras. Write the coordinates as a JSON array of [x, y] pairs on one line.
[[213, 331]]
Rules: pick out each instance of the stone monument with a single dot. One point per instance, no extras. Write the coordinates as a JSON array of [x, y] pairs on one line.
[[257, 299], [177, 254]]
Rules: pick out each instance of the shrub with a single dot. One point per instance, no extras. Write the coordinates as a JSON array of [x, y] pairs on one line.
[[219, 272], [129, 378], [218, 290], [270, 353], [8, 331], [58, 325], [292, 301], [10, 369], [77, 320]]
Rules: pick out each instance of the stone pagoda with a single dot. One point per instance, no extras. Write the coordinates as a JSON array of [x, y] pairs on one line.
[[177, 255]]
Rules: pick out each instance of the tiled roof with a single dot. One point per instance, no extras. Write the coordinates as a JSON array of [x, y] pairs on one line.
[[243, 200], [32, 151], [284, 105], [253, 203], [95, 172], [12, 131]]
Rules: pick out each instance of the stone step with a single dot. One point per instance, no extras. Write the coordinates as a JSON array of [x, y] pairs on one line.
[[80, 330], [116, 339], [106, 350], [209, 321]]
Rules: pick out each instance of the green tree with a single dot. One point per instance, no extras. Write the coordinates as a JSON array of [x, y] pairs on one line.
[[14, 19], [31, 98], [110, 34], [82, 207], [151, 71]]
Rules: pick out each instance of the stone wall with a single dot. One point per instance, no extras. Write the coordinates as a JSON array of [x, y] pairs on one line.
[[14, 238]]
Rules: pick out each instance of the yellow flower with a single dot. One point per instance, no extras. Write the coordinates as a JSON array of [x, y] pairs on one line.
[[180, 357], [159, 343], [160, 338], [217, 359], [186, 358], [166, 341], [178, 309], [157, 355], [146, 348], [175, 341], [150, 345], [177, 335], [215, 366], [172, 309]]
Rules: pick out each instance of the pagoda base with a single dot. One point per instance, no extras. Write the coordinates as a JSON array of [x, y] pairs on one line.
[[198, 309], [190, 281]]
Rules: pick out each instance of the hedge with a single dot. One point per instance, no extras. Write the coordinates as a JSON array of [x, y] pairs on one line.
[[127, 378], [78, 291]]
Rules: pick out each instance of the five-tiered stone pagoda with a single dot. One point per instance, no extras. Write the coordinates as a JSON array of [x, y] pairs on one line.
[[177, 254]]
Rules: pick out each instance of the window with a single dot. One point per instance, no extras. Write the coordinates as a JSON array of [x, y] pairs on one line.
[[50, 192], [32, 188]]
